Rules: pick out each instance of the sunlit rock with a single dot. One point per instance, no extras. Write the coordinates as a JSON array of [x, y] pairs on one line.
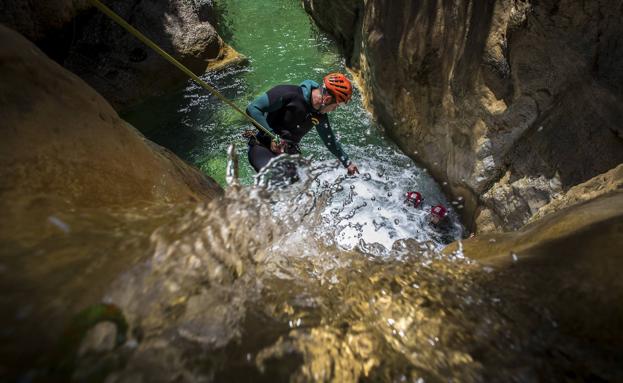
[[111, 60], [541, 81]]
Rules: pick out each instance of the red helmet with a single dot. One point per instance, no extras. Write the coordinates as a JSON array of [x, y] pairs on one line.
[[339, 86], [438, 211], [413, 198]]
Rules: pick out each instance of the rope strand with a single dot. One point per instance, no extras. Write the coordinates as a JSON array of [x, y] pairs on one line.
[[116, 18]]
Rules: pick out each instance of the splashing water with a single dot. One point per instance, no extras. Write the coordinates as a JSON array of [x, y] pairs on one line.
[[300, 274], [261, 286], [367, 209]]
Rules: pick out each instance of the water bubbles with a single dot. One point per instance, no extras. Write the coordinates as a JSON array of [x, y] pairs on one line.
[[366, 176], [352, 187], [389, 194], [373, 198], [396, 221]]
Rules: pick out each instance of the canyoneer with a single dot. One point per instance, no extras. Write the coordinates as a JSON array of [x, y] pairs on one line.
[[290, 112]]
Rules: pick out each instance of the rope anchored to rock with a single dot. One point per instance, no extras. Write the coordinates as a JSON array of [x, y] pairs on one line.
[[116, 18]]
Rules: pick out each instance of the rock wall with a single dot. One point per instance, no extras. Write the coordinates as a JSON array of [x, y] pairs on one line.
[[111, 60], [35, 19], [65, 144], [513, 102], [568, 262], [81, 192]]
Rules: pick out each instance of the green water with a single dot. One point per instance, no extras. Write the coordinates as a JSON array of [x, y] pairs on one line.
[[283, 47]]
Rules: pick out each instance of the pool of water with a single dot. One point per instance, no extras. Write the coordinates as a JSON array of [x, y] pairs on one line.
[[285, 47]]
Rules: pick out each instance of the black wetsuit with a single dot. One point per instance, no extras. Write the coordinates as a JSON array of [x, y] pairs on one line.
[[286, 110]]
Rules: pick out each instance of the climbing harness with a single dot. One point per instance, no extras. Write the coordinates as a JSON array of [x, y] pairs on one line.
[[116, 18]]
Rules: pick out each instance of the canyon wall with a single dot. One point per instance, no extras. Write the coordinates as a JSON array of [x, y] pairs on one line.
[[66, 148], [511, 102], [110, 59]]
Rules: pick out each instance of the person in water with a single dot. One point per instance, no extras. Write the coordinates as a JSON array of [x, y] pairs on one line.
[[290, 111]]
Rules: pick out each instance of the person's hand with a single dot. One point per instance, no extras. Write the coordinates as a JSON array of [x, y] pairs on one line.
[[277, 148], [352, 169]]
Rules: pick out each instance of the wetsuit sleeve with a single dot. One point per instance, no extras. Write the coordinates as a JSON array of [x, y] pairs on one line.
[[330, 141], [259, 107]]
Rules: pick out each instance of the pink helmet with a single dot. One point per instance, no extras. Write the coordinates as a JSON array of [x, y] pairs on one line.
[[413, 198], [439, 211]]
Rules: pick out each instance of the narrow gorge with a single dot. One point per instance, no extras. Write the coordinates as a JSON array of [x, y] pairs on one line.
[[126, 256]]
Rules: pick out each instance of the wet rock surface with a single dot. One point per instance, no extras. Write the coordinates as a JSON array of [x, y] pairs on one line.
[[72, 171], [67, 142], [512, 102], [567, 261]]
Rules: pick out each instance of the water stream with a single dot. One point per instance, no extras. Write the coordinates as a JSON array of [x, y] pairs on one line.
[[331, 278], [290, 49]]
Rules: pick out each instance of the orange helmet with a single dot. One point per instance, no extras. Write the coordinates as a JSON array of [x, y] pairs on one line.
[[339, 86]]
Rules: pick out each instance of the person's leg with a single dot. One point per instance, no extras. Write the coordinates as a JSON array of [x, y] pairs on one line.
[[259, 156]]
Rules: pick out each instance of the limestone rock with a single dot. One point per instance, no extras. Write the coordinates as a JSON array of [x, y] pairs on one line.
[[568, 262], [110, 59], [595, 187], [484, 89], [122, 68], [64, 142]]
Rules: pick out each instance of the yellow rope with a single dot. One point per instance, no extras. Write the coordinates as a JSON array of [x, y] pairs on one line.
[[108, 12]]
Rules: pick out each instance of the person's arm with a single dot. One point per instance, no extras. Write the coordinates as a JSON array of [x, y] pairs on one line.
[[330, 141], [261, 106]]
